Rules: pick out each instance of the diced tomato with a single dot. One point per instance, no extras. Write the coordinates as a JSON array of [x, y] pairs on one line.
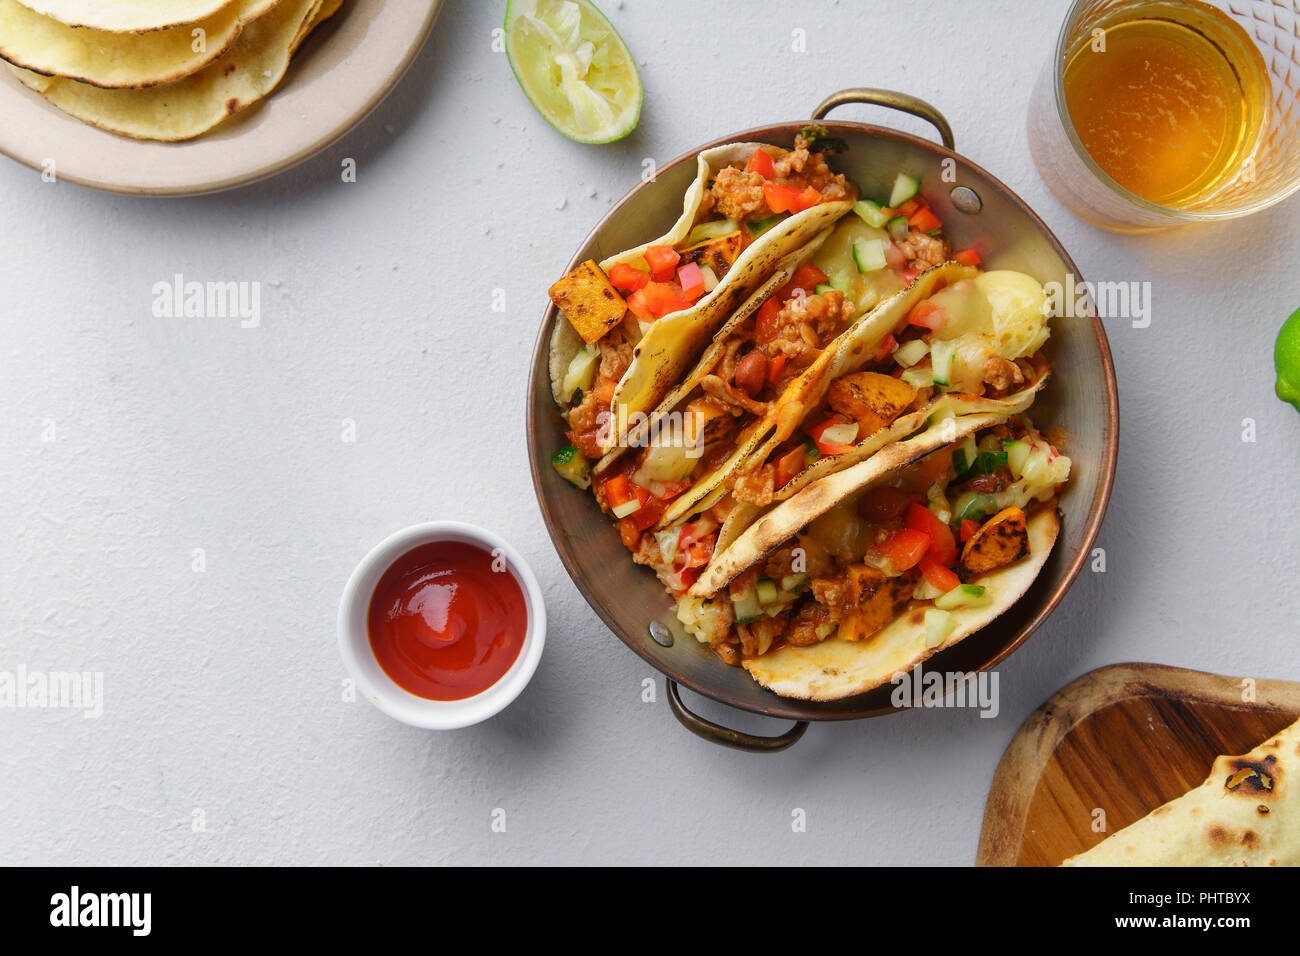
[[910, 273], [967, 257], [697, 530], [618, 490], [886, 348], [694, 554], [943, 547], [808, 277], [790, 198], [761, 163], [928, 315], [924, 220], [626, 279], [789, 465], [662, 261], [774, 368], [651, 510], [905, 548], [907, 208], [968, 528], [939, 577], [656, 300], [765, 324], [692, 280], [884, 503]]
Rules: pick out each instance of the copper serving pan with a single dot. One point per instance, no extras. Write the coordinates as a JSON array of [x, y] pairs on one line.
[[977, 210]]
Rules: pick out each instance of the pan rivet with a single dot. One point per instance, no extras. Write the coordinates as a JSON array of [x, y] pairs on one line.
[[661, 635], [967, 200]]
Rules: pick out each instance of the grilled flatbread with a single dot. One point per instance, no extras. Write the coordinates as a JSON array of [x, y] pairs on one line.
[[1247, 813]]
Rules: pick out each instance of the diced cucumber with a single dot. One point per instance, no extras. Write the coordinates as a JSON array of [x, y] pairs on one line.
[[918, 377], [964, 595], [897, 228], [794, 583], [759, 226], [711, 230], [842, 282], [1017, 454], [988, 462], [939, 625], [871, 213], [869, 254], [745, 606], [581, 370], [941, 356], [767, 590], [572, 467], [822, 288], [973, 506], [905, 187], [963, 459], [909, 353]]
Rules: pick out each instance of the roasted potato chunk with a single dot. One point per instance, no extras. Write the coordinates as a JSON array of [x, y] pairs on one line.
[[874, 400], [877, 600], [718, 254], [588, 301], [999, 541]]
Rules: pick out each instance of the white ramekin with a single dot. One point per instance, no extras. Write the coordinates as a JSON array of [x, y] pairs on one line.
[[359, 658]]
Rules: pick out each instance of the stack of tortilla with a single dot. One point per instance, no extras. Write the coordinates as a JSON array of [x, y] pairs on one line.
[[166, 70]]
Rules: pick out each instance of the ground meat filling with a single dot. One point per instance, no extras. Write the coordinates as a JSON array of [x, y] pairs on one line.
[[737, 193], [923, 250], [805, 326]]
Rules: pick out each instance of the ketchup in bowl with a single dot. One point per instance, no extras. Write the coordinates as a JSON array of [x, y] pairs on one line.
[[447, 620]]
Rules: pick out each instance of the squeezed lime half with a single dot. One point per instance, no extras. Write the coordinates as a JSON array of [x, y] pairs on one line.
[[1286, 359], [574, 68]]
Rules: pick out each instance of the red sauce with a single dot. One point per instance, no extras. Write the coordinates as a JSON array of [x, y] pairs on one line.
[[443, 623]]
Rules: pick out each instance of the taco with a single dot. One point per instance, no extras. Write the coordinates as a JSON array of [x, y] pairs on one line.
[[871, 570], [637, 321]]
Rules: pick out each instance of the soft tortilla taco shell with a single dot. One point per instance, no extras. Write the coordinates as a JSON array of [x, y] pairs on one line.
[[126, 16], [836, 668], [670, 347], [781, 274], [1254, 823], [850, 351], [875, 460], [247, 73], [119, 60]]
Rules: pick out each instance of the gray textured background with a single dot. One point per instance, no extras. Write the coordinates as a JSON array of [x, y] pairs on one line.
[[223, 688]]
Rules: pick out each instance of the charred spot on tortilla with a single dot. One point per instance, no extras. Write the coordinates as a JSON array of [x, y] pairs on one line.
[[1252, 775]]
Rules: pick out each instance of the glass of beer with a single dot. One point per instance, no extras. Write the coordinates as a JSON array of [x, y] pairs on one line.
[[1155, 113]]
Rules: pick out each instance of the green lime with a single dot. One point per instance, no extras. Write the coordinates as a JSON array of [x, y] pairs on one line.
[[1286, 358], [574, 67]]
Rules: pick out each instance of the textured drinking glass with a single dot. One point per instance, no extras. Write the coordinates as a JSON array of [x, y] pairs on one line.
[[1269, 174]]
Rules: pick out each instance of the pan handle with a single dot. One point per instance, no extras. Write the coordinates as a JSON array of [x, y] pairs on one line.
[[716, 733], [892, 99]]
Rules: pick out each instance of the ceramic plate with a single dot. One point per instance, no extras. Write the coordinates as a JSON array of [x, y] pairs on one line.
[[341, 73]]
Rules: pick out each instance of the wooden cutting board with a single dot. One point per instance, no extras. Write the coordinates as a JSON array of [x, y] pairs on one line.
[[1123, 739]]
